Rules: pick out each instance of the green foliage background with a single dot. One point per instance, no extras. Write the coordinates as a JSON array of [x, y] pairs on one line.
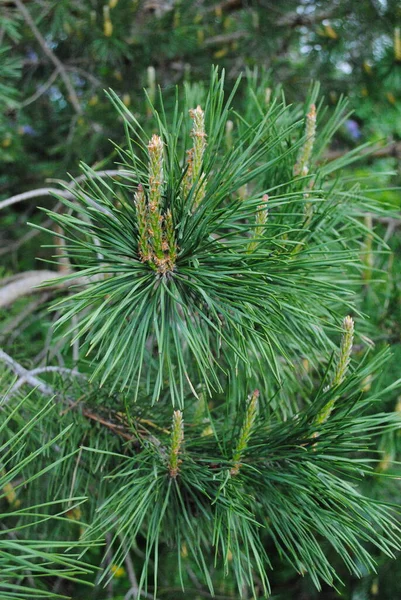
[[45, 131]]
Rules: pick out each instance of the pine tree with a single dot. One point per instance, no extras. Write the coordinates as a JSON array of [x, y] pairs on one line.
[[215, 420]]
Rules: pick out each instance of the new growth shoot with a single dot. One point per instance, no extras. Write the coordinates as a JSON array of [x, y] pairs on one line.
[[246, 432], [194, 174], [177, 438], [261, 219], [301, 167], [342, 366]]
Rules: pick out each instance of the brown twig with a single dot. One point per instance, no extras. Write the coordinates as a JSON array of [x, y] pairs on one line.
[[225, 38], [31, 379]]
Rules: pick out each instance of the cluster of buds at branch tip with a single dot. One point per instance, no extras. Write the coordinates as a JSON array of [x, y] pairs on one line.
[[342, 366], [156, 239], [301, 167], [194, 174], [261, 219], [177, 438], [245, 433]]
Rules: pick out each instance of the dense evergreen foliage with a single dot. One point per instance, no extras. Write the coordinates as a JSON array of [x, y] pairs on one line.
[[200, 329]]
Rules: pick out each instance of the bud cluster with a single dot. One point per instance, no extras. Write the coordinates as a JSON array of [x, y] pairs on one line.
[[156, 239]]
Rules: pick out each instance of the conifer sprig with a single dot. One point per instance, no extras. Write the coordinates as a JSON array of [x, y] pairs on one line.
[[26, 517], [156, 241], [289, 472], [179, 285]]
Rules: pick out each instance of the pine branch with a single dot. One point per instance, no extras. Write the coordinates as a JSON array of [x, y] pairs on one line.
[[29, 377]]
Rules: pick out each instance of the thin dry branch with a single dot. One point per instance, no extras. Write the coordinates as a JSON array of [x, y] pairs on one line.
[[72, 95], [49, 191], [47, 390], [28, 283], [294, 19], [42, 89], [23, 373], [134, 591], [225, 38], [34, 372]]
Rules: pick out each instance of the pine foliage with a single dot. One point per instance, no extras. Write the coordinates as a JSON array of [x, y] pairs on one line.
[[167, 249], [218, 423]]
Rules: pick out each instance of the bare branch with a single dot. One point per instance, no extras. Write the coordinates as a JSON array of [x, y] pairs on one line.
[[34, 372], [42, 89], [25, 285], [29, 281], [134, 591], [49, 191], [294, 19], [50, 54], [225, 38], [393, 149], [23, 373], [102, 174], [35, 194], [47, 390]]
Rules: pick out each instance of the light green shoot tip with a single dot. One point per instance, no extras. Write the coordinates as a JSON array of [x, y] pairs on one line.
[[246, 432], [177, 438]]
